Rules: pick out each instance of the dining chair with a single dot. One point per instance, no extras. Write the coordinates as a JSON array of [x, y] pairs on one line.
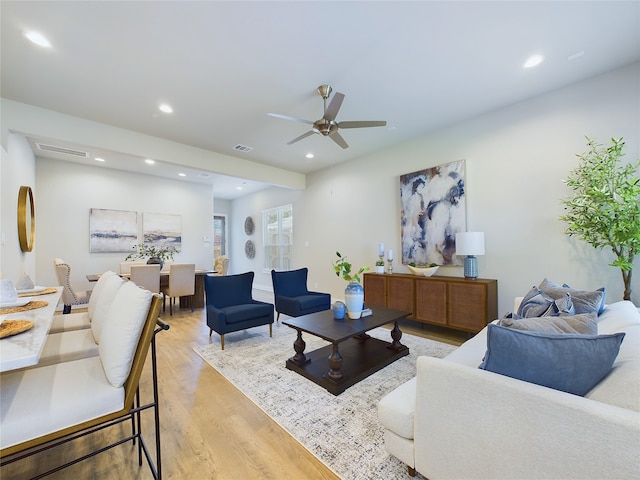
[[125, 267], [182, 279], [69, 295], [221, 265], [146, 276]]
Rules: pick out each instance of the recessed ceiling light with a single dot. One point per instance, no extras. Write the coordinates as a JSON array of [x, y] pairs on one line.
[[182, 174], [148, 161], [309, 155], [533, 61], [98, 159], [38, 39], [165, 108], [238, 187]]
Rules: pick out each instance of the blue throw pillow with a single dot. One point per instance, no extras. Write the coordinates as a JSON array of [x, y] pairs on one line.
[[571, 363], [538, 304], [584, 301]]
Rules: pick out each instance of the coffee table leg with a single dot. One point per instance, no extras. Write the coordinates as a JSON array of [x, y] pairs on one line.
[[299, 345], [396, 334], [335, 362]]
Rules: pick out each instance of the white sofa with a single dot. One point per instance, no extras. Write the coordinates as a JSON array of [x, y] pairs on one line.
[[456, 421]]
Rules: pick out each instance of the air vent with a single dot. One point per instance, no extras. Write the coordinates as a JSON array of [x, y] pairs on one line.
[[204, 175], [242, 148], [66, 151]]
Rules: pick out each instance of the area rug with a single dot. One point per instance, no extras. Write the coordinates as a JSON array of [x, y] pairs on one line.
[[342, 431]]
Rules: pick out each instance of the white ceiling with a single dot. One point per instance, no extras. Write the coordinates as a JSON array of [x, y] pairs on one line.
[[224, 65]]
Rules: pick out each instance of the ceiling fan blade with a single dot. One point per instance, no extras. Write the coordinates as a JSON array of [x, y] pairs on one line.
[[362, 124], [304, 135], [287, 117], [336, 137], [334, 106]]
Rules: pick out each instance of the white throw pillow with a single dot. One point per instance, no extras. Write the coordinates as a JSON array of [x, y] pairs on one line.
[[109, 290], [97, 290], [121, 331]]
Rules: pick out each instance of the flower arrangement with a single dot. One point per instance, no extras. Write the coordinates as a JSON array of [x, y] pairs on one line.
[[343, 269], [151, 251]]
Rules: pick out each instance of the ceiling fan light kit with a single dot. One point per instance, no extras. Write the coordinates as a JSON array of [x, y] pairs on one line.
[[327, 125]]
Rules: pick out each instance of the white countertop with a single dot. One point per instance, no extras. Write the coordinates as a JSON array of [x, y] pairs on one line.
[[24, 349]]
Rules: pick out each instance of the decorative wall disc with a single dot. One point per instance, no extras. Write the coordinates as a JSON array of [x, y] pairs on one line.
[[249, 226], [250, 249]]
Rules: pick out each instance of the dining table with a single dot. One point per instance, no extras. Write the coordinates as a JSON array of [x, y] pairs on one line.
[[24, 349], [198, 296]]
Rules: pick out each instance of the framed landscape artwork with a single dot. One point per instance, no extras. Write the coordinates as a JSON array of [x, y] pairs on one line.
[[433, 203], [112, 230], [162, 230]]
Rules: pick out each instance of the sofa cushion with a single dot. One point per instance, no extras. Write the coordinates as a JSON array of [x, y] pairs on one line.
[[567, 362], [584, 301], [121, 331], [397, 408], [585, 324]]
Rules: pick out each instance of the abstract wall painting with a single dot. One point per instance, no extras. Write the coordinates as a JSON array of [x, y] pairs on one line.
[[162, 230], [433, 203], [112, 230]]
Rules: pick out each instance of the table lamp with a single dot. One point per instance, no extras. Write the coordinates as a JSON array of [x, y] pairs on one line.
[[470, 244]]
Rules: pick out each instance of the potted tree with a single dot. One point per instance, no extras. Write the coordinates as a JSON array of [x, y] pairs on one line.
[[604, 208], [354, 293]]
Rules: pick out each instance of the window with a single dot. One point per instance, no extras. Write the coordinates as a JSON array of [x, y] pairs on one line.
[[277, 232], [219, 235]]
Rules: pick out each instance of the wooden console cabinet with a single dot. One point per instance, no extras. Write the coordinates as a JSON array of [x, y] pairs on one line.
[[453, 302]]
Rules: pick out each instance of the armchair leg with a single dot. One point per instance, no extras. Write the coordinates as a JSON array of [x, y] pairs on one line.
[[210, 331], [222, 340], [271, 329], [278, 317], [412, 471]]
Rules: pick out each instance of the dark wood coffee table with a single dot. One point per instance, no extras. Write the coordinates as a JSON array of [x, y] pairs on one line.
[[353, 355]]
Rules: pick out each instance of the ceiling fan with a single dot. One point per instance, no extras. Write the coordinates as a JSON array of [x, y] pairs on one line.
[[327, 125]]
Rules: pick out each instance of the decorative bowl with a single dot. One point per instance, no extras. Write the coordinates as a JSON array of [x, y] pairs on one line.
[[423, 271]]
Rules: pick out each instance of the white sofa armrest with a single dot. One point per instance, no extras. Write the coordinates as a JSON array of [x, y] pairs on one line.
[[470, 423]]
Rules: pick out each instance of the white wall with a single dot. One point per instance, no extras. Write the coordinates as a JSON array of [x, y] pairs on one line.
[[16, 169], [515, 157], [66, 192]]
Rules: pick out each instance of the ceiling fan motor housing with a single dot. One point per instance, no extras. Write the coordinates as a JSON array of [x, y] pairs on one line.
[[325, 127]]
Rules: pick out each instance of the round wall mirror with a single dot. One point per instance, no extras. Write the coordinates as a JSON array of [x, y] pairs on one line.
[[26, 219]]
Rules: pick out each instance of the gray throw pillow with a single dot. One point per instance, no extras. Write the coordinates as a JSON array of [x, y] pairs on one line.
[[585, 324], [567, 362], [537, 303], [584, 301]]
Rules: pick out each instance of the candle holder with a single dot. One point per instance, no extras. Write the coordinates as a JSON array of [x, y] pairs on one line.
[[389, 266]]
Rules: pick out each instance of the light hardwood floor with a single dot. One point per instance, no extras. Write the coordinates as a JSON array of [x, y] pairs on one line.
[[210, 430]]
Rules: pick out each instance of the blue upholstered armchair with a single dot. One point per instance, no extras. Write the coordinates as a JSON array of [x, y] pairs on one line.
[[292, 297], [230, 306]]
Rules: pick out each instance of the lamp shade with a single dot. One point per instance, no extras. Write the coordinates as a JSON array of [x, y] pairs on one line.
[[470, 243]]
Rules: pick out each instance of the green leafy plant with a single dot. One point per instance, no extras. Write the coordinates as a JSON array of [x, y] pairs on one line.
[[604, 209], [151, 251], [343, 269]]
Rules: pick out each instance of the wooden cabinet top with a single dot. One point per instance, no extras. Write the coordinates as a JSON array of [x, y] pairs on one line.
[[441, 278]]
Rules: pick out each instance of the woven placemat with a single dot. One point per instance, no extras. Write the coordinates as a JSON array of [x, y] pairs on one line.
[[24, 308], [46, 291], [13, 327]]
